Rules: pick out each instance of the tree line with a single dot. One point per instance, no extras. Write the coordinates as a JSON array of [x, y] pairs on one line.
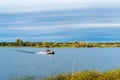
[[77, 44]]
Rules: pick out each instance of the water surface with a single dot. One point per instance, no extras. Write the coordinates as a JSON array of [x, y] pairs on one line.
[[14, 63]]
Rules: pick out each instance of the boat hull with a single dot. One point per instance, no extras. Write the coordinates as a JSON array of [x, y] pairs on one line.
[[51, 52]]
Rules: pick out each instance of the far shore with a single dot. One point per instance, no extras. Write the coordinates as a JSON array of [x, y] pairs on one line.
[[76, 44]]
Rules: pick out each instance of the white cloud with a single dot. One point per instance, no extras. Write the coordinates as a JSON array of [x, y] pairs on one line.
[[44, 5], [36, 5], [36, 38], [100, 25], [62, 27], [54, 32]]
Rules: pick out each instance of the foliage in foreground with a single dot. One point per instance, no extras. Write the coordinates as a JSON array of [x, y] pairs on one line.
[[84, 75]]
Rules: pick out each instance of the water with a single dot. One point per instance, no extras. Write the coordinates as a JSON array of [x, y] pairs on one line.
[[16, 62]]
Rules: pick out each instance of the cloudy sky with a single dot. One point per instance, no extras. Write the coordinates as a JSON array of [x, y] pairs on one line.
[[60, 20]]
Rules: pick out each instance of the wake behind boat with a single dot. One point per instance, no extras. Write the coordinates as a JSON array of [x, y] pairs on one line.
[[48, 51]]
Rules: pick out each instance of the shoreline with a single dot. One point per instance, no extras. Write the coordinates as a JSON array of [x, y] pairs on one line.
[[76, 44], [57, 47]]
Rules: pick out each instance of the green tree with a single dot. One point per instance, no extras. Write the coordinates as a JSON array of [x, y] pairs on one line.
[[45, 44], [82, 44], [3, 44], [19, 42], [76, 44], [55, 44], [27, 43], [36, 45]]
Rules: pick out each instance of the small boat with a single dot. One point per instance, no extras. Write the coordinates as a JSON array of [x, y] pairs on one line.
[[50, 52]]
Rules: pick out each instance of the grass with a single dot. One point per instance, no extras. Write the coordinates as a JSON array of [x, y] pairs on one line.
[[83, 75]]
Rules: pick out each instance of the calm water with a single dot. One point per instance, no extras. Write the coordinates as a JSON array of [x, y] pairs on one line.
[[15, 64]]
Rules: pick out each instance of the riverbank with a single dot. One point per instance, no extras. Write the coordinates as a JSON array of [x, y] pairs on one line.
[[83, 75], [75, 44]]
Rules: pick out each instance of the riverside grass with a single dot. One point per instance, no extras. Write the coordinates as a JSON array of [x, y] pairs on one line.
[[82, 75]]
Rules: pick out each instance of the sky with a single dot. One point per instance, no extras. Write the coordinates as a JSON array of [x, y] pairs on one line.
[[60, 20]]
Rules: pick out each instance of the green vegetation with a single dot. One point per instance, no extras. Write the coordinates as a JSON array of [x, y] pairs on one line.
[[76, 44], [83, 75], [89, 75]]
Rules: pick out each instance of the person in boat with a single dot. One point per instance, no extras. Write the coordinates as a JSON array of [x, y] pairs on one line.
[[49, 51]]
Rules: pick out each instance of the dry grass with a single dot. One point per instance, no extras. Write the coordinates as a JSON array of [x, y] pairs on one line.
[[89, 75], [83, 75]]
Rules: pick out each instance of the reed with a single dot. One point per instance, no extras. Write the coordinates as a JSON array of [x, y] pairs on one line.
[[82, 75], [89, 75]]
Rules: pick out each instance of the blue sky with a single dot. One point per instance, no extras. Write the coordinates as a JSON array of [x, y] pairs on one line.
[[64, 20]]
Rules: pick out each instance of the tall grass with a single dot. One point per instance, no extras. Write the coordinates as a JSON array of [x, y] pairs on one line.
[[89, 75], [83, 75]]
